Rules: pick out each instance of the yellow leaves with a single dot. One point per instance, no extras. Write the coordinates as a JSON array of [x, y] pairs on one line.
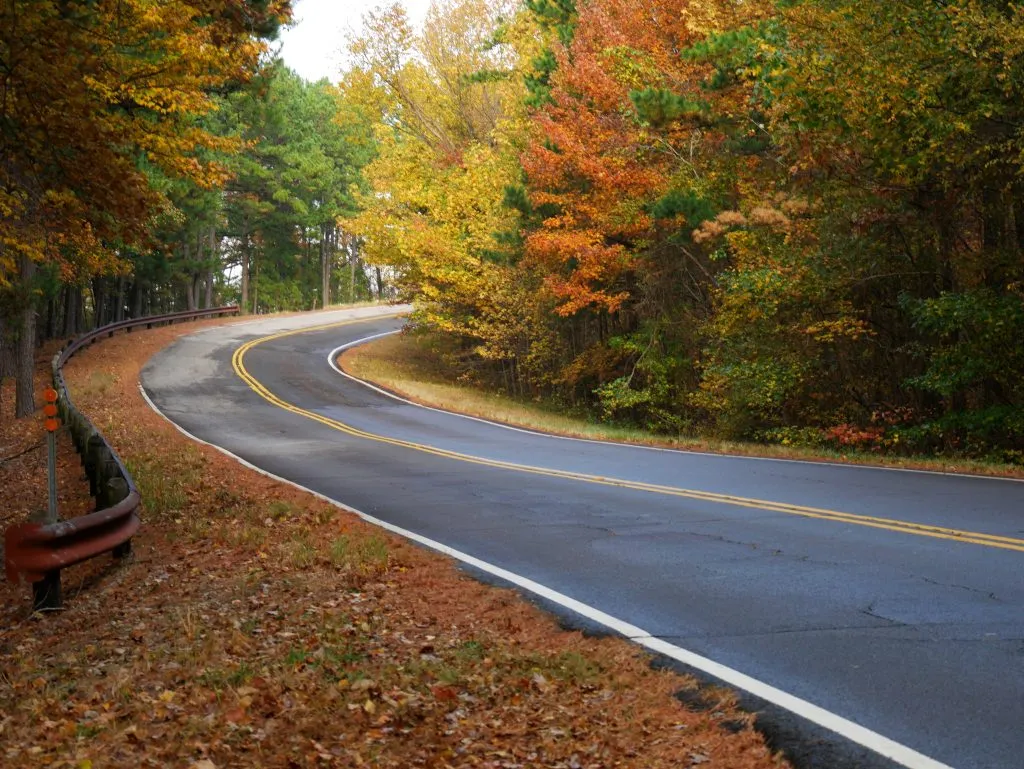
[[842, 328], [446, 153], [427, 86], [632, 68]]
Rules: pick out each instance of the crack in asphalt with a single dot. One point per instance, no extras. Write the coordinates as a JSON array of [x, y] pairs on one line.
[[986, 593], [870, 611]]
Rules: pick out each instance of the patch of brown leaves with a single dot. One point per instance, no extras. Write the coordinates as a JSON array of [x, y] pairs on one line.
[[258, 626]]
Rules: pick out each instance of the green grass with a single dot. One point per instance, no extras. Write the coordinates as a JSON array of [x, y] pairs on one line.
[[407, 366], [223, 678], [98, 383], [301, 550], [164, 485], [363, 554], [281, 510]]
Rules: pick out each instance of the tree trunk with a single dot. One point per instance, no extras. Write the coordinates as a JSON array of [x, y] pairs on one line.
[[137, 292], [70, 310], [350, 249], [190, 283], [25, 404], [333, 246], [325, 269], [380, 284], [214, 257], [244, 308], [119, 309], [52, 309], [79, 322], [98, 302], [8, 354]]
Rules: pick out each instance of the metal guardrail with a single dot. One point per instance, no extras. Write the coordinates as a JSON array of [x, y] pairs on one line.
[[36, 552]]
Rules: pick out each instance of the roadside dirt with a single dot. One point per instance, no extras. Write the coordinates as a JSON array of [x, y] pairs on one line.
[[258, 626]]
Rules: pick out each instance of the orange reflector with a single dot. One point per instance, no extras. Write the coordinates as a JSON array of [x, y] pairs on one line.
[[50, 409], [52, 425], [50, 395]]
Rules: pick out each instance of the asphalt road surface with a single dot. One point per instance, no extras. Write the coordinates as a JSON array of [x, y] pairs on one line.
[[891, 599]]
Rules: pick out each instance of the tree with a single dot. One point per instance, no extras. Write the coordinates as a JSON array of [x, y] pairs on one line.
[[448, 111], [293, 183]]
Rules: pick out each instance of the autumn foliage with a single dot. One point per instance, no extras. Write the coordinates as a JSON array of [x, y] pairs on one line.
[[741, 219]]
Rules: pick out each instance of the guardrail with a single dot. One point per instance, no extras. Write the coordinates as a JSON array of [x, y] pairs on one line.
[[36, 552]]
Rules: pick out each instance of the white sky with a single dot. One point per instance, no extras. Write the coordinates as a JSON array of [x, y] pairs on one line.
[[313, 47]]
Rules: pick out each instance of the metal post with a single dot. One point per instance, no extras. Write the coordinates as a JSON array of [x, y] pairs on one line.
[[51, 472], [46, 594]]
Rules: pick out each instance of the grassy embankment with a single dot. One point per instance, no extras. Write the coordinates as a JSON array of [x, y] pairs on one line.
[[409, 366]]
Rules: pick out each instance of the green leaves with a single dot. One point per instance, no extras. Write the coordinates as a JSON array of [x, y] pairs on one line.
[[658, 106], [693, 208], [976, 339], [760, 182]]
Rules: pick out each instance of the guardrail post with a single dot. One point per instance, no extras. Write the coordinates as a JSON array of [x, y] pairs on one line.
[[46, 594], [96, 454], [106, 472], [79, 435], [117, 490]]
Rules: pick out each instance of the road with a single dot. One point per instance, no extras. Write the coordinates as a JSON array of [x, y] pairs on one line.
[[890, 599]]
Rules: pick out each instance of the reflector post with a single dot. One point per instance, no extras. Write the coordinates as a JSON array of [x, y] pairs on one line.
[[51, 424]]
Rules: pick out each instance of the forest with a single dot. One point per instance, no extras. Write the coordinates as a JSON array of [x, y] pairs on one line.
[[796, 222]]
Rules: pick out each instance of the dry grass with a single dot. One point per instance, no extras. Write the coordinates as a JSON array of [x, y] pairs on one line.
[[404, 365]]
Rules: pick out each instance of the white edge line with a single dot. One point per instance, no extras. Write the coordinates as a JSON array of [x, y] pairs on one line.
[[334, 353], [852, 731]]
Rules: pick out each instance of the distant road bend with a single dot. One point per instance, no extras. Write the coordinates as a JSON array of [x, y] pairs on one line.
[[875, 616]]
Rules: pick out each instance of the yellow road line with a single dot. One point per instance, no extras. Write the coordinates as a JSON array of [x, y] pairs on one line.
[[905, 527]]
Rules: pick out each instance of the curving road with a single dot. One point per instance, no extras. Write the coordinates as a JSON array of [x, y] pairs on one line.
[[881, 605]]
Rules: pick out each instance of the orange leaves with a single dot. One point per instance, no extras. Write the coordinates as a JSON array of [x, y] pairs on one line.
[[592, 161], [580, 267]]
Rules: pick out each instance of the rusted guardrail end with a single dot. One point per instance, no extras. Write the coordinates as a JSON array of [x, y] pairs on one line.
[[36, 552]]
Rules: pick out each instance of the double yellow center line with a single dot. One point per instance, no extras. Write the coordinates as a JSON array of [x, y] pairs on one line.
[[905, 527]]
